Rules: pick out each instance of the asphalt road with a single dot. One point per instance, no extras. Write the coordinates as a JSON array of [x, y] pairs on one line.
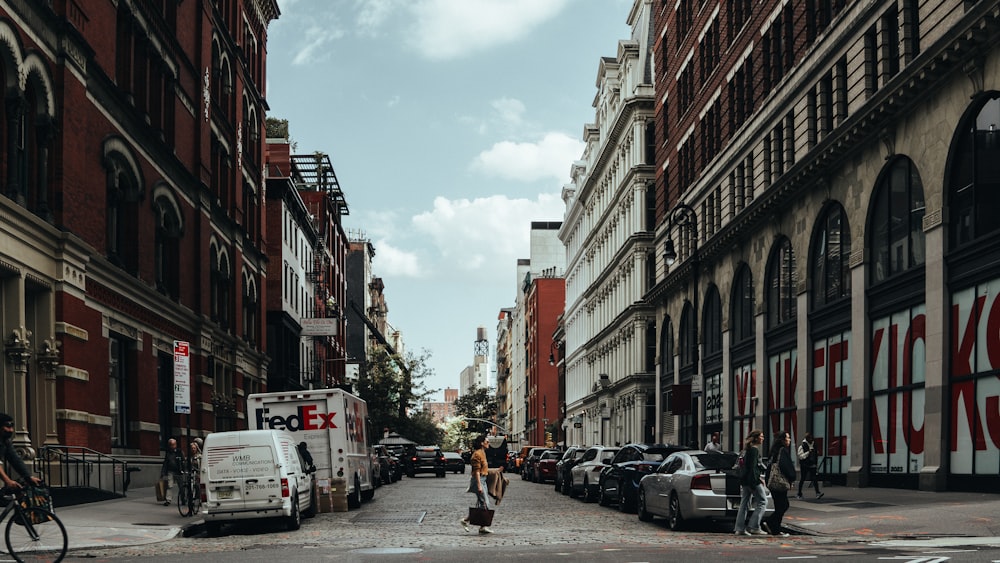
[[416, 519]]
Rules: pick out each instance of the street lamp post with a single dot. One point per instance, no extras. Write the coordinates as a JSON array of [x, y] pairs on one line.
[[684, 217]]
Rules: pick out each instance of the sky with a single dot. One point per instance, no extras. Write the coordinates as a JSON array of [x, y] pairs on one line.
[[451, 126]]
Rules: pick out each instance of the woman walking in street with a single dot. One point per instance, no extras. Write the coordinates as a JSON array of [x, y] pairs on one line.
[[780, 460], [477, 483], [751, 486]]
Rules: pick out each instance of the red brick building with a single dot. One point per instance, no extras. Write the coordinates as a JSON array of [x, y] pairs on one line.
[[131, 217], [544, 303]]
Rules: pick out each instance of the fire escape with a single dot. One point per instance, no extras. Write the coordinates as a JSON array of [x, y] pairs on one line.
[[314, 173]]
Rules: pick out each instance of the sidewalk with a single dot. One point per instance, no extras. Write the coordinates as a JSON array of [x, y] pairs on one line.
[[134, 520], [871, 513], [894, 513]]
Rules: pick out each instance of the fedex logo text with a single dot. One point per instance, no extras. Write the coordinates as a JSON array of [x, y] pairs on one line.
[[305, 418]]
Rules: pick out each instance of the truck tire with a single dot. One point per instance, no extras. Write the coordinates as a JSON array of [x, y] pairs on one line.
[[354, 499]]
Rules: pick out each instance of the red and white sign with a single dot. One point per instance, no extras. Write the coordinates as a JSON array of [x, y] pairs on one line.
[[182, 377]]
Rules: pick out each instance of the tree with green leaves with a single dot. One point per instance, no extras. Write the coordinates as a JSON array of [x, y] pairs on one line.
[[479, 403], [392, 385]]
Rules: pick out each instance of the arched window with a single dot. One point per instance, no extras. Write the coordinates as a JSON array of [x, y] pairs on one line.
[[169, 228], [974, 179], [781, 285], [666, 374], [896, 235], [742, 321], [711, 336], [831, 253], [123, 192], [249, 308]]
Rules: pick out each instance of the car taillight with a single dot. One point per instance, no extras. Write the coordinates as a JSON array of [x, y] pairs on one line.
[[441, 459], [703, 482], [414, 458], [285, 491]]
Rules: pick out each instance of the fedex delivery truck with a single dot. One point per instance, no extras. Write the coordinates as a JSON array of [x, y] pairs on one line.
[[334, 425]]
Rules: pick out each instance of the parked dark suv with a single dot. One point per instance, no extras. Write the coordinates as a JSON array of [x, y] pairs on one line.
[[427, 459]]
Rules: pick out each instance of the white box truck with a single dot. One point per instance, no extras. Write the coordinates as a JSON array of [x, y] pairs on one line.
[[334, 425]]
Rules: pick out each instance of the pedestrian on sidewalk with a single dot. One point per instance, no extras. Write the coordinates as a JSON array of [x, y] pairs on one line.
[[781, 460], [173, 466], [9, 454], [751, 487], [477, 482], [713, 444], [807, 455]]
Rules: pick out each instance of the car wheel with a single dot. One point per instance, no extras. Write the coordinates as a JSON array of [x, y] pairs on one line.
[[588, 496], [602, 496], [644, 514], [294, 521], [675, 519], [623, 504]]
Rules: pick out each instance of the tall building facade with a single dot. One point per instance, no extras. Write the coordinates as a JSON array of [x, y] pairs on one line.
[[307, 249], [545, 298], [504, 360], [608, 233], [132, 217], [825, 178], [529, 342]]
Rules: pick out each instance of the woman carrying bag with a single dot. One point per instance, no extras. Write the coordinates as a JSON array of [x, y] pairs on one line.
[[780, 477], [477, 486]]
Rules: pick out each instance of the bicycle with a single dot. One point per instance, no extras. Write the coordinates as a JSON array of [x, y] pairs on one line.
[[33, 533], [189, 495]]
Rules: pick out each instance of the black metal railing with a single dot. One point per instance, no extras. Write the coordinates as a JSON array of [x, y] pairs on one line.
[[77, 466]]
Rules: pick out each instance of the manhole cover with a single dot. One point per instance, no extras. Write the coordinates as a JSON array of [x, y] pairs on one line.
[[394, 517], [863, 504]]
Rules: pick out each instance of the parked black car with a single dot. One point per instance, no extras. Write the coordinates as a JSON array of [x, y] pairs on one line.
[[427, 459], [565, 463], [528, 465], [386, 471], [619, 482]]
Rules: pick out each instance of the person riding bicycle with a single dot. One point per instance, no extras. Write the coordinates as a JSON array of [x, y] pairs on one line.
[[10, 455]]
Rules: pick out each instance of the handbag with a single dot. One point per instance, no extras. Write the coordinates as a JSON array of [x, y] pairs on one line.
[[776, 480], [480, 516]]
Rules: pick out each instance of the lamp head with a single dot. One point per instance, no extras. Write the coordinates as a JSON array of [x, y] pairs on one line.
[[669, 254]]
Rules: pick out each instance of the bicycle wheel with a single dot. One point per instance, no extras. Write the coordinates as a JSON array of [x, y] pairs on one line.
[[29, 542], [184, 500], [195, 500]]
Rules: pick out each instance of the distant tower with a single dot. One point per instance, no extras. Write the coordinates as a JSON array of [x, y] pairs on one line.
[[482, 347]]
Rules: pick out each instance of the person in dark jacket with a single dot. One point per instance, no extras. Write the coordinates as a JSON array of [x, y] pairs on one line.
[[751, 486], [10, 455], [807, 455], [173, 466], [781, 455]]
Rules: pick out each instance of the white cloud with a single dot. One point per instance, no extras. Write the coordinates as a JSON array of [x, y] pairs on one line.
[[550, 157], [484, 235], [372, 14], [449, 29], [393, 101], [510, 110], [392, 261], [315, 38]]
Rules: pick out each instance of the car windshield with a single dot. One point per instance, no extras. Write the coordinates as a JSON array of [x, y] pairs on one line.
[[608, 455], [714, 461], [653, 456], [551, 455], [426, 453]]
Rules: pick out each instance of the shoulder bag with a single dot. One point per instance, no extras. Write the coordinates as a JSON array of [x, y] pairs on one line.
[[776, 480]]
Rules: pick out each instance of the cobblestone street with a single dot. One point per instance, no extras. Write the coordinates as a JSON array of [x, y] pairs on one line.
[[423, 513]]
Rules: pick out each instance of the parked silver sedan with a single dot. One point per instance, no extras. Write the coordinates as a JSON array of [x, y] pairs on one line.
[[693, 485]]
